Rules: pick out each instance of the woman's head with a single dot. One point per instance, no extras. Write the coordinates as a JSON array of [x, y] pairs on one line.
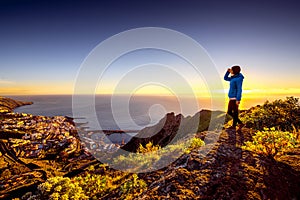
[[235, 69]]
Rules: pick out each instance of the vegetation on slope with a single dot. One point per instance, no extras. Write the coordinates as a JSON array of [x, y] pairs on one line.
[[271, 142], [282, 114]]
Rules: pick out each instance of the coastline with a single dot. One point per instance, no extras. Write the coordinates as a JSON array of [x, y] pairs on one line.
[[8, 105], [34, 148]]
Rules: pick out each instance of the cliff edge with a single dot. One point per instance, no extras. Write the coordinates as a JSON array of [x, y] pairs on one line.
[[8, 105]]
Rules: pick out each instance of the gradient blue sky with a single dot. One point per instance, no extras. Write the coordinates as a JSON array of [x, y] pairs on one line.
[[43, 43]]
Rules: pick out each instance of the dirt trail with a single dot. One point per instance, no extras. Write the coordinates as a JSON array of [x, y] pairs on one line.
[[226, 172]]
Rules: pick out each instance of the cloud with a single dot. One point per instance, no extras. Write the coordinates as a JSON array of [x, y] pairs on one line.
[[6, 82], [12, 91], [275, 91]]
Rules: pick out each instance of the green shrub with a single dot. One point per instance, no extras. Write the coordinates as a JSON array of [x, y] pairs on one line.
[[132, 188], [146, 157], [282, 114], [90, 186], [271, 142], [143, 159], [95, 185], [59, 188]]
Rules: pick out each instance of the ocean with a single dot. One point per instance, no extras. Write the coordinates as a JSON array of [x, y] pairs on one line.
[[139, 112], [121, 113]]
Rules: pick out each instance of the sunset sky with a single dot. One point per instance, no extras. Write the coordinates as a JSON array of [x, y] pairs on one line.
[[43, 43]]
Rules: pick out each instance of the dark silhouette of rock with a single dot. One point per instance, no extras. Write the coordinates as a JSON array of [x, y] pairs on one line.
[[160, 134], [175, 127]]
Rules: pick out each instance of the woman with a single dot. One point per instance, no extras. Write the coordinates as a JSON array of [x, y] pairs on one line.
[[234, 94]]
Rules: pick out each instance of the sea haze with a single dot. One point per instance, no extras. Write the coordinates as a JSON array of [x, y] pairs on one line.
[[135, 114]]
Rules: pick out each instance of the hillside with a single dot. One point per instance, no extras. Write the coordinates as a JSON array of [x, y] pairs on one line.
[[7, 104], [227, 172], [45, 157], [34, 148]]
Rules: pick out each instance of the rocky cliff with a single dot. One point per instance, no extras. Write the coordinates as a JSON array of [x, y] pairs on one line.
[[176, 127]]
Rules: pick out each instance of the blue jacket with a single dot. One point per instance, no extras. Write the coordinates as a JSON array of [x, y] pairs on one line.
[[236, 82]]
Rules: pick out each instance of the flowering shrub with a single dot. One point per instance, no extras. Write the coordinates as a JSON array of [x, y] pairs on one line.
[[271, 142], [90, 186], [59, 188], [196, 143], [149, 147]]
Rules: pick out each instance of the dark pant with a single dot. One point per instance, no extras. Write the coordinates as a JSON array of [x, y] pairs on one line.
[[233, 111]]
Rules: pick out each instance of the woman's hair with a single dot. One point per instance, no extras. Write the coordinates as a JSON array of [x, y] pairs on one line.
[[236, 69]]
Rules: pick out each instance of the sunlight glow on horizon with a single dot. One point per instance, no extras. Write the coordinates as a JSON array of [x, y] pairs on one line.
[[250, 98], [67, 89], [253, 94]]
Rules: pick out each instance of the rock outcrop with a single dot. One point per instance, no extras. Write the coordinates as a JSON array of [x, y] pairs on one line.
[[175, 127]]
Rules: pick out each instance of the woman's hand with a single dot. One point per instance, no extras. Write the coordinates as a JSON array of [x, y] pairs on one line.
[[237, 102]]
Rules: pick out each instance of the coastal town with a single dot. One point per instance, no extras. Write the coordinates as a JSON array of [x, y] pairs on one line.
[[34, 144], [32, 136], [38, 136]]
